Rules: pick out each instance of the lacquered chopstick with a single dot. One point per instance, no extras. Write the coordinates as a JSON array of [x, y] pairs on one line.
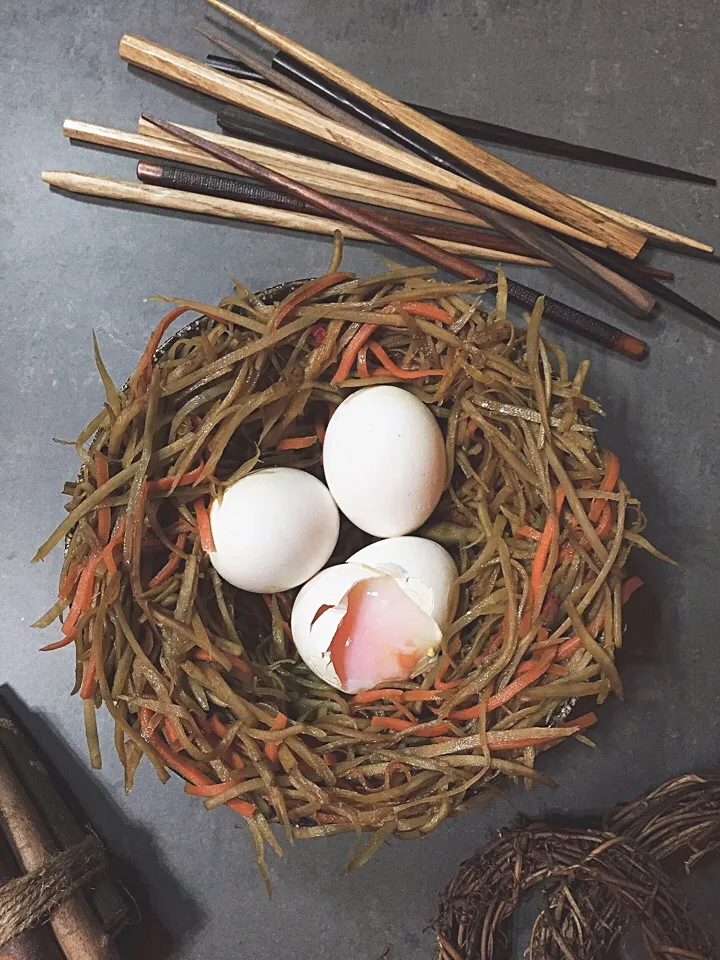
[[235, 121], [244, 190], [602, 280], [575, 320], [521, 184], [490, 132]]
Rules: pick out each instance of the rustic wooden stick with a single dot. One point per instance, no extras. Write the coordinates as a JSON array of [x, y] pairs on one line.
[[65, 827], [107, 188], [524, 185], [34, 944], [555, 311], [613, 287], [280, 107], [77, 930], [250, 191]]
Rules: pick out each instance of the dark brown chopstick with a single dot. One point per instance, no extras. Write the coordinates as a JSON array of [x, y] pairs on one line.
[[560, 313], [602, 280], [483, 130], [196, 180]]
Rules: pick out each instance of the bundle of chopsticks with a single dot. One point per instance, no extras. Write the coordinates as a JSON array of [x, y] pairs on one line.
[[379, 169]]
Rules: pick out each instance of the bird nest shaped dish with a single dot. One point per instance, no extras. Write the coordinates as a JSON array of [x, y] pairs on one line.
[[204, 680]]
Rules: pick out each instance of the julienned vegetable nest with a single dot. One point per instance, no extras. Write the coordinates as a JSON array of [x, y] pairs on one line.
[[204, 680]]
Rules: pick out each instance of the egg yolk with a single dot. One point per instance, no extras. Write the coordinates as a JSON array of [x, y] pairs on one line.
[[382, 636]]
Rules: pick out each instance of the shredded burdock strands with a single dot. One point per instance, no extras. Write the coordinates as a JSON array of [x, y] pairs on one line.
[[205, 681]]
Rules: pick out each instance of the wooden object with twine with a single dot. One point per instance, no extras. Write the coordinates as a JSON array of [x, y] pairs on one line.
[[27, 900]]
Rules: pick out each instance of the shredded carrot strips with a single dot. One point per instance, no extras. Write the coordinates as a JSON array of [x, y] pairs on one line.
[[203, 522], [303, 293], [66, 641], [419, 730], [430, 310], [89, 683], [186, 768], [296, 443], [71, 578], [167, 483], [530, 533], [351, 351], [629, 587], [237, 663], [102, 475], [612, 475], [271, 749], [371, 696], [171, 566], [532, 673], [115, 541], [83, 595], [139, 378], [397, 371]]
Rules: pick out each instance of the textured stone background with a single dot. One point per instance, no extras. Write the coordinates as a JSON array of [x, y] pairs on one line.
[[637, 77]]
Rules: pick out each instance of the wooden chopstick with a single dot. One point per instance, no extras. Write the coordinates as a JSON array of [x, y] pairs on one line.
[[396, 192], [250, 191], [490, 132], [580, 322], [608, 284], [338, 181], [109, 188], [523, 185], [282, 108]]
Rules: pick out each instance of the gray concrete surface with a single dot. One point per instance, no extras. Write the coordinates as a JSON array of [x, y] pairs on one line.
[[639, 77]]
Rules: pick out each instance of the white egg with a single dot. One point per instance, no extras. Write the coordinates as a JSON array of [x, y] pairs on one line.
[[384, 460], [421, 565], [363, 623], [273, 530]]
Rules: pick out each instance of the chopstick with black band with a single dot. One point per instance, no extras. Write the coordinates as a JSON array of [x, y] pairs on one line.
[[207, 183], [490, 132], [575, 320], [602, 280]]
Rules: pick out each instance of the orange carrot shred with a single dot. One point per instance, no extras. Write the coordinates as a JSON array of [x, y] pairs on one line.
[[271, 749], [184, 480], [115, 541], [429, 310], [203, 523], [83, 595], [303, 293], [612, 475], [70, 579], [295, 443], [530, 533], [139, 378], [186, 768], [171, 566], [370, 696], [629, 587], [397, 371], [351, 352], [536, 669]]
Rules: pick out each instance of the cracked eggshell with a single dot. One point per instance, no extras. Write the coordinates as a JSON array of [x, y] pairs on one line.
[[424, 569], [313, 634]]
